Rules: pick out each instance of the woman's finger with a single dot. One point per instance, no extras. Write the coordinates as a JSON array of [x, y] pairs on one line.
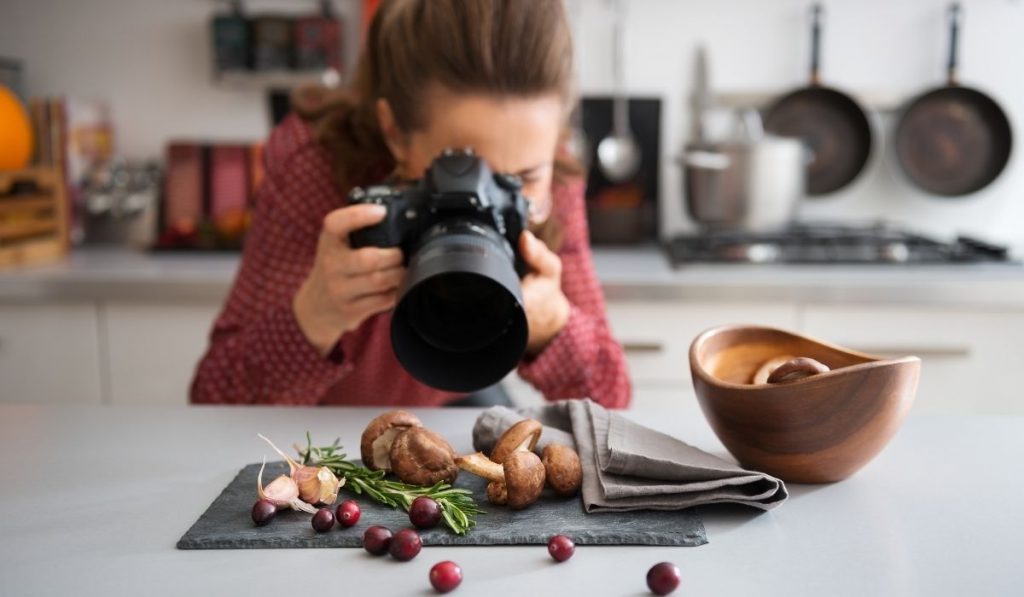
[[366, 306], [539, 257], [363, 261], [341, 222], [375, 282]]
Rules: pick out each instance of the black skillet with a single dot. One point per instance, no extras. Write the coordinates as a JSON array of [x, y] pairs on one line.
[[833, 125], [953, 140]]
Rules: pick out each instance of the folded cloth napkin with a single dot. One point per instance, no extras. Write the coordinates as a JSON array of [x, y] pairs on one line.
[[627, 466]]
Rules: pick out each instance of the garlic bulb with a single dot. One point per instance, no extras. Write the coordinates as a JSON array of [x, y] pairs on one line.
[[282, 491], [315, 485]]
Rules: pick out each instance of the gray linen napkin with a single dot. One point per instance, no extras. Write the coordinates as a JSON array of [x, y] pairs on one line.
[[627, 466]]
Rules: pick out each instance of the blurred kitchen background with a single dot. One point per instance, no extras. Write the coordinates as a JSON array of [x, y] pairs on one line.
[[119, 242]]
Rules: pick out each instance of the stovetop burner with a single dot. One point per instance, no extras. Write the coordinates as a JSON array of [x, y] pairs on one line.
[[829, 243]]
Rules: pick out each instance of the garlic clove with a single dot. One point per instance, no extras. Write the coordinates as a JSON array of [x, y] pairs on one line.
[[309, 485], [282, 491], [329, 485]]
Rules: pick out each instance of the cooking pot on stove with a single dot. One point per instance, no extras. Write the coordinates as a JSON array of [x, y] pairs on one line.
[[753, 182]]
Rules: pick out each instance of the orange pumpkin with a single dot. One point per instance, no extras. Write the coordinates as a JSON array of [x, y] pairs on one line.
[[15, 132]]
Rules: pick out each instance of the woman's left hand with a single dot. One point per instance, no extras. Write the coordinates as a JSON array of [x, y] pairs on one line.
[[547, 308]]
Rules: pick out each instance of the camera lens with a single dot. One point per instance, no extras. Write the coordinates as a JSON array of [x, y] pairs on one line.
[[459, 324]]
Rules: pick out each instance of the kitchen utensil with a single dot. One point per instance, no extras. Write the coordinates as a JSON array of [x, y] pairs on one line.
[[754, 182], [953, 140], [618, 154], [816, 430], [834, 126]]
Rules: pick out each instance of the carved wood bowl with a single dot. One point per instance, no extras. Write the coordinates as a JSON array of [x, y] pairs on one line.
[[819, 429]]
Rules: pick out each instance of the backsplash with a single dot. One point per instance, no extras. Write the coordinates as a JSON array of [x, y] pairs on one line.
[[162, 87]]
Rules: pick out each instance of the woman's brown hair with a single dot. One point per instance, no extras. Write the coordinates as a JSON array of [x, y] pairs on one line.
[[495, 47]]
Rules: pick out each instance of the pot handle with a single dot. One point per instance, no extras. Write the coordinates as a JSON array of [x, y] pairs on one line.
[[816, 11], [955, 14], [705, 160]]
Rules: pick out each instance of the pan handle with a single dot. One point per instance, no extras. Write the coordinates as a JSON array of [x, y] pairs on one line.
[[816, 11], [955, 15]]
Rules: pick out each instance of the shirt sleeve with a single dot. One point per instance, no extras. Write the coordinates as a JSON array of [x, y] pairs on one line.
[[257, 353], [583, 360]]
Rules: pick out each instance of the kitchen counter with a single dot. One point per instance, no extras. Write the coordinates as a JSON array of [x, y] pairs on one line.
[[96, 497], [641, 273]]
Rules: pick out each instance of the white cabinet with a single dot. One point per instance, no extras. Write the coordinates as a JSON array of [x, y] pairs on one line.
[[50, 353], [656, 337], [154, 348], [971, 359]]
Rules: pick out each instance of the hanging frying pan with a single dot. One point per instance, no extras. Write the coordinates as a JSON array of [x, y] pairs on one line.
[[831, 124], [953, 140]]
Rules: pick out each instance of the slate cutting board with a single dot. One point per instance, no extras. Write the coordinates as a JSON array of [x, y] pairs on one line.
[[226, 524]]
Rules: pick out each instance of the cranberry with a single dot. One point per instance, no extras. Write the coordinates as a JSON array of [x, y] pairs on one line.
[[263, 512], [348, 513], [377, 540], [405, 545], [424, 512], [561, 548], [663, 578], [445, 576], [323, 520]]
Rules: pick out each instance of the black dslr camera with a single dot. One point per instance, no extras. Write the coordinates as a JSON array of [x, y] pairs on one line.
[[459, 324]]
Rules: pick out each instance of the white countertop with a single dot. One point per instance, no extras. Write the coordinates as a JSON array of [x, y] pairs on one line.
[[625, 274], [95, 498]]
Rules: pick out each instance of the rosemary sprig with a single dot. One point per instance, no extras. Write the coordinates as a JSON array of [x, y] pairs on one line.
[[457, 505]]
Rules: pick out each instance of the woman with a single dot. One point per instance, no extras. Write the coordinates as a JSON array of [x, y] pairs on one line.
[[307, 321]]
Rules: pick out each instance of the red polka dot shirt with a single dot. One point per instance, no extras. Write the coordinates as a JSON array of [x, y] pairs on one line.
[[258, 354]]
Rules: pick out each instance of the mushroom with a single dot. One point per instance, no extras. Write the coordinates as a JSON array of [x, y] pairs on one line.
[[421, 457], [796, 369], [562, 469], [762, 373], [375, 446], [521, 436], [517, 482]]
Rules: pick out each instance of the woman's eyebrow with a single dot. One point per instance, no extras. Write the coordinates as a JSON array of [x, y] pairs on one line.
[[531, 169]]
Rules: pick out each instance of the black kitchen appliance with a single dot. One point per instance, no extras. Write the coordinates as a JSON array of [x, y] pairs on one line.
[[878, 243], [626, 212]]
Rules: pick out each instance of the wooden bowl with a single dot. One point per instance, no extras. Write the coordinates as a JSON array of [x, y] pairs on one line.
[[819, 429]]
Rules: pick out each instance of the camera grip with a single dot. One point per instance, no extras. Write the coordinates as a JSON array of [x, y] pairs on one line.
[[371, 236]]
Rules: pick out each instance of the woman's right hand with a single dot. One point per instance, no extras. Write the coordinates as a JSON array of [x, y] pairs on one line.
[[346, 286]]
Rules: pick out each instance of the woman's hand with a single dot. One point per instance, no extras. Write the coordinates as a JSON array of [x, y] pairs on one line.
[[547, 309], [346, 286]]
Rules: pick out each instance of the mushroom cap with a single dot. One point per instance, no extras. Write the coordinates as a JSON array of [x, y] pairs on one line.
[[796, 369], [389, 425], [421, 457], [521, 436], [524, 478], [563, 469], [497, 493]]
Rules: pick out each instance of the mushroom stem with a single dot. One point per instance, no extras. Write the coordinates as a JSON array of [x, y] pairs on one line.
[[482, 466]]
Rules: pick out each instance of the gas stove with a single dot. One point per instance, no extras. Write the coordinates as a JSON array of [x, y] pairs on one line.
[[878, 243]]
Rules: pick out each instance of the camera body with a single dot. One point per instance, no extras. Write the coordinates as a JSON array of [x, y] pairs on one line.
[[459, 323], [458, 191]]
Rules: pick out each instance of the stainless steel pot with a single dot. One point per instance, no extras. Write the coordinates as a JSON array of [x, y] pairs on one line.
[[754, 182]]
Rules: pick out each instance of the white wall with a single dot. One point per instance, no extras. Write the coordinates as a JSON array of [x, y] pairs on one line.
[[151, 59]]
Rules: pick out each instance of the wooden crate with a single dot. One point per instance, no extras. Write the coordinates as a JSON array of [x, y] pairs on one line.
[[33, 216]]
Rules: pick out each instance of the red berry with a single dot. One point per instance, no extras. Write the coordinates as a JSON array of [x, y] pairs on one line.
[[663, 578], [405, 545], [561, 548], [262, 512], [424, 512], [348, 513], [445, 576], [377, 540], [323, 520]]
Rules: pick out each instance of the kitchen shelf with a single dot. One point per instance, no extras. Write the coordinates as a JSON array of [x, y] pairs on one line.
[[256, 80]]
